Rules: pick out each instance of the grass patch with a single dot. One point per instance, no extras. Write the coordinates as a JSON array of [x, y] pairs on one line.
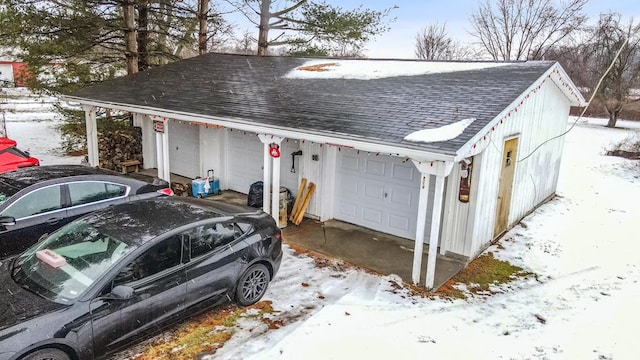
[[205, 334], [482, 273]]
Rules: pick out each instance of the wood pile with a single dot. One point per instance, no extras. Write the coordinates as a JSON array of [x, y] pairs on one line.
[[117, 146], [180, 189]]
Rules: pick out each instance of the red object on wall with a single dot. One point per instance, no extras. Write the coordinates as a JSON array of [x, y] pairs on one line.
[[274, 151]]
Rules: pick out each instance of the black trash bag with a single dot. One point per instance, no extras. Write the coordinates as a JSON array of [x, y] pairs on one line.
[[290, 201], [254, 199]]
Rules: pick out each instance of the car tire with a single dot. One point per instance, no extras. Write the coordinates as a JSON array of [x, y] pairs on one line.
[[47, 354], [252, 285]]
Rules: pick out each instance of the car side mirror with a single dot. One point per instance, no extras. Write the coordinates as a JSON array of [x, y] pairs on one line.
[[122, 292], [7, 220]]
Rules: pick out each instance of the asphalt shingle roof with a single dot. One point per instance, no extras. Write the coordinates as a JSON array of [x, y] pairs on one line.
[[378, 110]]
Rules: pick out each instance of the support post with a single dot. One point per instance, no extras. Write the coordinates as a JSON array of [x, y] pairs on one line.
[[166, 170], [275, 197], [420, 228], [271, 182], [160, 155], [266, 180], [92, 135], [441, 170], [435, 232]]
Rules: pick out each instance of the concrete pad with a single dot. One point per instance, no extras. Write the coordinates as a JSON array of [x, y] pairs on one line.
[[382, 253]]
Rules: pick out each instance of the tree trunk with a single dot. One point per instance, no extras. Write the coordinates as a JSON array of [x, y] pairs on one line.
[[143, 35], [613, 109], [131, 51], [203, 10], [263, 34]]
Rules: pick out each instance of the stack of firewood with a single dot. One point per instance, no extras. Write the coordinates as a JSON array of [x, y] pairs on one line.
[[117, 146]]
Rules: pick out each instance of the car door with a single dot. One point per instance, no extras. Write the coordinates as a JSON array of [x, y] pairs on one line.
[[88, 196], [159, 283], [217, 255], [36, 213]]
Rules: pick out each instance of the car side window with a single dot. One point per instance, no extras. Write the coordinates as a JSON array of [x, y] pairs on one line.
[[209, 237], [87, 192], [244, 227], [162, 256], [36, 202]]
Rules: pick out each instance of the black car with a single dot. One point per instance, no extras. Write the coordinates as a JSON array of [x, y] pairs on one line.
[[122, 274], [40, 199]]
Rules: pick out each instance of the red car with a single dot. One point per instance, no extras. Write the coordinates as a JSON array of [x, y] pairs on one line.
[[12, 158]]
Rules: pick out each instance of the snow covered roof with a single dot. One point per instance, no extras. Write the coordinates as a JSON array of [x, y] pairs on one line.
[[367, 70], [377, 101]]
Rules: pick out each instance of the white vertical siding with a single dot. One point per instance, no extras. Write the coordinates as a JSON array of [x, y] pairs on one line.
[[468, 228]]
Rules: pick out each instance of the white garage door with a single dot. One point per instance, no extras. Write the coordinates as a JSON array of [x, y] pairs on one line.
[[377, 192], [245, 159], [184, 149]]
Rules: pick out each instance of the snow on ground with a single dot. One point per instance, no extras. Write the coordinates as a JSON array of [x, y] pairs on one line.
[[377, 69], [583, 245], [40, 139]]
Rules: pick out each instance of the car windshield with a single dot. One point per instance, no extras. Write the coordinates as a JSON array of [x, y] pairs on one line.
[[64, 265]]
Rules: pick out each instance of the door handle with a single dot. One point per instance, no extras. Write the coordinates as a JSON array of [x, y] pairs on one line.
[[53, 221]]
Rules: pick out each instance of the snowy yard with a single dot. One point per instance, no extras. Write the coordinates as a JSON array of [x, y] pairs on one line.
[[583, 245]]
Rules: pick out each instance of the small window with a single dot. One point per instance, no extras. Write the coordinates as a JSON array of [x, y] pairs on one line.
[[160, 257], [209, 237], [114, 190], [37, 202], [92, 191], [244, 227]]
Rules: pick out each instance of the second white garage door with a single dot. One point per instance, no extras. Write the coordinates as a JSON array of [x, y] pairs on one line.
[[377, 192], [184, 149], [245, 161]]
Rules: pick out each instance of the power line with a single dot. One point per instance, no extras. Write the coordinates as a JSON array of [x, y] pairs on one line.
[[595, 91]]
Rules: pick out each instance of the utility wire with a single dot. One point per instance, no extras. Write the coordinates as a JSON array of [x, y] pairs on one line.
[[595, 91]]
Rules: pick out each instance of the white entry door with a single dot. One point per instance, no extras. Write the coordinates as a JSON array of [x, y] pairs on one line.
[[184, 149], [377, 192]]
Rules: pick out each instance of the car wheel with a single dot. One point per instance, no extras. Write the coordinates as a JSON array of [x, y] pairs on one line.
[[252, 285], [47, 354]]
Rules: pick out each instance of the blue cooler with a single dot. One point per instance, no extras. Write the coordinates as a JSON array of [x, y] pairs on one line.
[[203, 187]]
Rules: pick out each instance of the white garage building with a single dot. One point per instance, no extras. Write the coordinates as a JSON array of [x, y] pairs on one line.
[[395, 146]]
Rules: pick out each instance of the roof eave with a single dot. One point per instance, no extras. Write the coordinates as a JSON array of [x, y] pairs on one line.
[[475, 146], [247, 125]]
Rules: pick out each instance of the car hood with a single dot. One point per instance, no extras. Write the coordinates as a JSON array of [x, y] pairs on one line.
[[17, 304]]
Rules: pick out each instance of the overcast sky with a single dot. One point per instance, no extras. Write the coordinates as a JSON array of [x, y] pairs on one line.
[[413, 15]]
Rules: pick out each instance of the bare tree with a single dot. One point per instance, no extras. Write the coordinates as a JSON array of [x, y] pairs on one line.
[[525, 29], [616, 44], [433, 43]]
